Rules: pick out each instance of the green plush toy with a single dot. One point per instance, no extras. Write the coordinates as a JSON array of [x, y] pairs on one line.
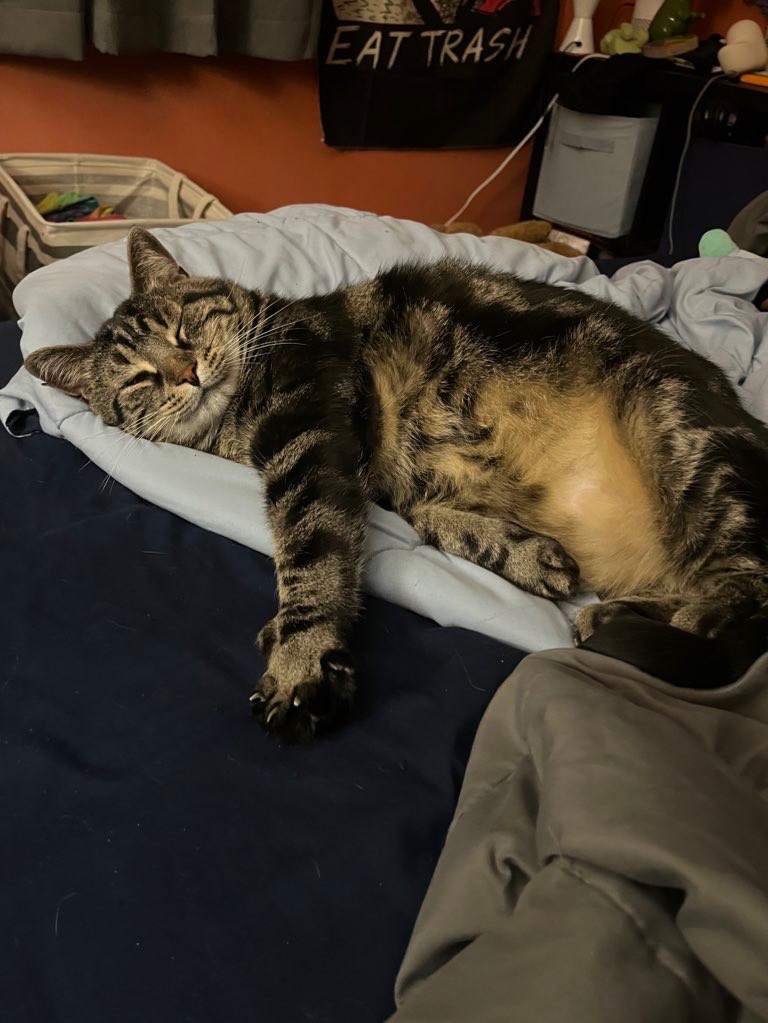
[[624, 39], [716, 242], [672, 21]]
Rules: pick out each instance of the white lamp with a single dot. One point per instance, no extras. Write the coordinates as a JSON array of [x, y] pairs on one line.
[[580, 37]]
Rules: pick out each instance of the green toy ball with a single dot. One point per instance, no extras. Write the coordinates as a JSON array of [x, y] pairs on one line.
[[716, 242]]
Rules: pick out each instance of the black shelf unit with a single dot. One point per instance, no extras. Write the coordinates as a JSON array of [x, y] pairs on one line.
[[729, 111]]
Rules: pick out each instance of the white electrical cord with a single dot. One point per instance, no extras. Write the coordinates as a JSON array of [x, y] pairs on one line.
[[510, 156], [686, 145], [507, 159]]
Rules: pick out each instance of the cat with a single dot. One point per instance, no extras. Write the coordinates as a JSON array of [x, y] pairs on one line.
[[543, 434]]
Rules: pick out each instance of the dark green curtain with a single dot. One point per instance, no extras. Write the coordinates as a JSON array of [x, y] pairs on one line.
[[273, 29], [29, 29]]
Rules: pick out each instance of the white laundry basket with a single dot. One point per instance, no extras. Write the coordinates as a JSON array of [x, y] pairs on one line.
[[146, 191]]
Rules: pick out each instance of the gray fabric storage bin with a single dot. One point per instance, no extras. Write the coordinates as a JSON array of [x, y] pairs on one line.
[[592, 170]]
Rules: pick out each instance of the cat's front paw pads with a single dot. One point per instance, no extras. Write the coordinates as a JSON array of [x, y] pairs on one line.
[[556, 575], [302, 693]]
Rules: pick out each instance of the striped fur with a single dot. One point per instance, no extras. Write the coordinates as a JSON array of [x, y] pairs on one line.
[[536, 431]]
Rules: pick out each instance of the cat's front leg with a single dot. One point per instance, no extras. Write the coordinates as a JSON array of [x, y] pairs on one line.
[[537, 564], [317, 512], [309, 683]]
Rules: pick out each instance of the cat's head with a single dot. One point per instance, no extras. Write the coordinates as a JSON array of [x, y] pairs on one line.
[[166, 363]]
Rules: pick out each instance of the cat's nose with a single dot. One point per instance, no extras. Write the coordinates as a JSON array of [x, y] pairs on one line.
[[189, 375]]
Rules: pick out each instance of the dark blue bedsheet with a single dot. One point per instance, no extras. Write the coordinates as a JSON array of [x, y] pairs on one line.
[[162, 859]]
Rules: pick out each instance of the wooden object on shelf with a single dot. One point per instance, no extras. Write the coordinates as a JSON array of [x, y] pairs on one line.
[[663, 51]]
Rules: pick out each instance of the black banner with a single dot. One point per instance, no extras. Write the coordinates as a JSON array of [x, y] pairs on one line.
[[431, 74]]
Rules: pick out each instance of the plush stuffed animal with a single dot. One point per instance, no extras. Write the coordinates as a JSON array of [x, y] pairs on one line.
[[744, 49], [536, 232], [460, 227], [625, 39]]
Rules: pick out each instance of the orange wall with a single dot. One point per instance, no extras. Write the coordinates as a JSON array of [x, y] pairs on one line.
[[721, 14], [250, 132], [247, 130]]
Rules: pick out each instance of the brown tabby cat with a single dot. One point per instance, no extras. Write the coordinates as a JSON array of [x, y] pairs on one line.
[[543, 434]]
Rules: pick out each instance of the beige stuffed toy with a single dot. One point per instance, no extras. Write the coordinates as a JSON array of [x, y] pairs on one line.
[[534, 231]]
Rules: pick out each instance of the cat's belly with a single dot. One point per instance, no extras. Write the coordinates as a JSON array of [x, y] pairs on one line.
[[595, 498], [609, 526], [552, 461]]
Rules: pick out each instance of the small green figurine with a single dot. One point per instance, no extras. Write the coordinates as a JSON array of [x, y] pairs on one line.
[[624, 39], [672, 21]]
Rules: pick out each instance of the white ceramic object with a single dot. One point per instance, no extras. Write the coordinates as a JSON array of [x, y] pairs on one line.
[[745, 49], [580, 37]]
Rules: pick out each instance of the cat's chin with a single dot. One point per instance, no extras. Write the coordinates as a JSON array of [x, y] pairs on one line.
[[205, 407], [211, 385]]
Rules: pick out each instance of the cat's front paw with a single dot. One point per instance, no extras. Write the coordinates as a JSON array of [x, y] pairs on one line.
[[307, 688], [546, 568]]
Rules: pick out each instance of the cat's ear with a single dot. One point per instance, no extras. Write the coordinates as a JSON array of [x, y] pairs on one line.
[[151, 265], [67, 367]]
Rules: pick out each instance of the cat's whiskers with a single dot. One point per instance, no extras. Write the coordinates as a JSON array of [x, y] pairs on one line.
[[277, 312], [270, 305], [233, 344], [245, 358], [262, 318], [239, 354], [257, 349], [256, 339], [116, 435], [149, 420], [151, 423], [263, 346], [236, 342]]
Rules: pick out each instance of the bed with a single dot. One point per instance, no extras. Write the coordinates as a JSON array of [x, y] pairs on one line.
[[162, 857], [167, 859]]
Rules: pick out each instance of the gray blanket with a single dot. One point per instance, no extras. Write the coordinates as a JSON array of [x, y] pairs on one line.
[[608, 859]]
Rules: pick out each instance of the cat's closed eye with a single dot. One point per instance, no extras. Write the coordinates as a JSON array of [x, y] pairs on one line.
[[141, 377], [181, 338]]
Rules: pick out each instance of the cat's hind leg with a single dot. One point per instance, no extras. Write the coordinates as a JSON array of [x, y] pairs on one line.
[[733, 611], [659, 609], [535, 563]]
